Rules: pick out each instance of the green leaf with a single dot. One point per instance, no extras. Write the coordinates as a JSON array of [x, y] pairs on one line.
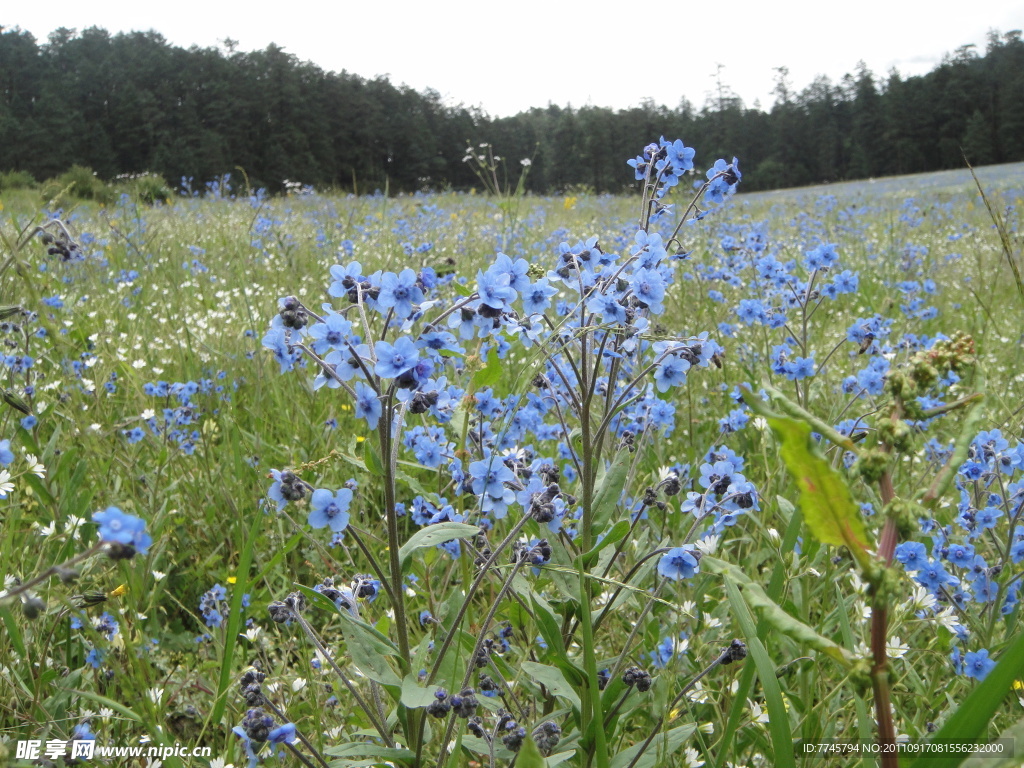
[[558, 758], [969, 722], [614, 536], [778, 719], [825, 499], [433, 535], [103, 701], [608, 492], [771, 612], [552, 679], [415, 696], [372, 459], [241, 586], [490, 374], [663, 745], [366, 749], [529, 756]]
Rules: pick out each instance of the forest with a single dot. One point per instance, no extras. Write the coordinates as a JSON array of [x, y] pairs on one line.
[[130, 103]]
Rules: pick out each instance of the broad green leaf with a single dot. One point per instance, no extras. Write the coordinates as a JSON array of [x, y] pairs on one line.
[[608, 492], [663, 745], [778, 722], [970, 721], [433, 535], [825, 499], [559, 758], [414, 695], [552, 679], [490, 374], [366, 749], [374, 465], [771, 612], [614, 536]]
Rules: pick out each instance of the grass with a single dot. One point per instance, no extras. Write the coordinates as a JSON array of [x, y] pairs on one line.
[[184, 292]]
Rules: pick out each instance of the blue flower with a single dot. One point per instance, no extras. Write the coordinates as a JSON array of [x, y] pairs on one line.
[[537, 297], [678, 563], [283, 733], [332, 333], [367, 404], [6, 454], [393, 361], [671, 372], [977, 664], [399, 292], [28, 422], [116, 526], [329, 509]]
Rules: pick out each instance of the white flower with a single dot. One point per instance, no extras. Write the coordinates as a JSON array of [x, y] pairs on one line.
[[35, 466], [774, 536], [708, 545], [252, 633], [526, 163], [697, 693], [298, 684], [690, 758], [148, 414], [6, 486], [922, 599], [155, 694], [757, 714], [158, 575], [896, 648], [139, 364], [45, 530]]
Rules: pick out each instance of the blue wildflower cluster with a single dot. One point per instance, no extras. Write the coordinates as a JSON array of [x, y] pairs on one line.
[[973, 566]]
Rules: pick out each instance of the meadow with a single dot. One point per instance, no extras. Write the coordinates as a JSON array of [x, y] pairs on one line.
[[700, 491]]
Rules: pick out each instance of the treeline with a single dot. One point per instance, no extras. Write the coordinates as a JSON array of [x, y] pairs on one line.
[[129, 103]]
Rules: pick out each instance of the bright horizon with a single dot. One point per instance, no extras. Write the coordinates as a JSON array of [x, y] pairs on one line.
[[562, 53]]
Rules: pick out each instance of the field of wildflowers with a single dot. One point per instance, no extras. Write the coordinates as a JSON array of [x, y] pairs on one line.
[[691, 478]]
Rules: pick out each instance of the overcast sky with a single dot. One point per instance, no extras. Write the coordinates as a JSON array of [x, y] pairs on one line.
[[506, 57]]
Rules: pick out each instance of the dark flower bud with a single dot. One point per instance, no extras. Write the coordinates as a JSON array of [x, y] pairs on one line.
[[118, 551], [737, 651], [251, 676], [32, 607], [257, 724], [465, 703], [543, 513], [744, 501], [476, 727], [279, 612], [671, 486], [291, 303], [638, 677], [514, 740], [67, 575], [603, 678], [546, 736], [488, 686], [721, 485], [440, 706], [253, 694], [296, 601], [422, 402]]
